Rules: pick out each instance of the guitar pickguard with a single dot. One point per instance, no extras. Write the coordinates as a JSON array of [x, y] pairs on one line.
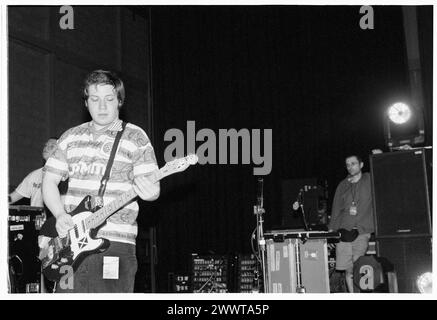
[[80, 240]]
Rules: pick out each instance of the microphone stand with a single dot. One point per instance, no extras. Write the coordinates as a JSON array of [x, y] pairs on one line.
[[258, 210], [301, 202], [300, 288]]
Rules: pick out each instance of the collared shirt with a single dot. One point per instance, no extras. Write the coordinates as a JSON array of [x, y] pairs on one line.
[[82, 155]]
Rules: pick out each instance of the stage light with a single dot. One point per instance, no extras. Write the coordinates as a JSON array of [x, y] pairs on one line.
[[403, 126], [399, 113], [424, 282]]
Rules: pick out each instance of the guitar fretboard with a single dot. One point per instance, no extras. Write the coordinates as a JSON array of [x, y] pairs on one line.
[[98, 217], [57, 244]]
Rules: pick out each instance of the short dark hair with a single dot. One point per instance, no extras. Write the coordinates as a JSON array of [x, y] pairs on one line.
[[104, 77], [51, 138], [360, 160]]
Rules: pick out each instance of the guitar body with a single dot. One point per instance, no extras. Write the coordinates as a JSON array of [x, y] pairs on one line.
[[64, 253], [62, 256]]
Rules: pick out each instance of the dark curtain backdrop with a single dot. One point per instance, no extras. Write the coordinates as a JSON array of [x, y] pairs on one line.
[[48, 64], [308, 73]]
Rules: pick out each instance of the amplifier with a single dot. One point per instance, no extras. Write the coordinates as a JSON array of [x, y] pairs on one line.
[[24, 265], [178, 283], [249, 276], [209, 273]]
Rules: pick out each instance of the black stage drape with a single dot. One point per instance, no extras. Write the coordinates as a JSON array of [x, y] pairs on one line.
[[308, 73]]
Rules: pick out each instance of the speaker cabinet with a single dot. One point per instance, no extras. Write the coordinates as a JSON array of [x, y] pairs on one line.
[[283, 266], [410, 257], [401, 193]]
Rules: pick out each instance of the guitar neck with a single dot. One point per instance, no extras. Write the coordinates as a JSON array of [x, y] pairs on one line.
[[100, 216]]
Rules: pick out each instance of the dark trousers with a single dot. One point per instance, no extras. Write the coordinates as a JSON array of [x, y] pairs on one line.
[[88, 278]]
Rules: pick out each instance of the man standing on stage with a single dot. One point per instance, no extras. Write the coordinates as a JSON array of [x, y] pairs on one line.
[[352, 214], [82, 155]]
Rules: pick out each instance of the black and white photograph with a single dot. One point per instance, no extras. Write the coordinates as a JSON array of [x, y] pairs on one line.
[[198, 149]]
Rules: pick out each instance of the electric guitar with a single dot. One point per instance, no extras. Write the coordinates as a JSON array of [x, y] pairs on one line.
[[57, 254]]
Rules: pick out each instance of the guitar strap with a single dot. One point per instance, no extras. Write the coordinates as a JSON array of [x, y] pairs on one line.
[[105, 178]]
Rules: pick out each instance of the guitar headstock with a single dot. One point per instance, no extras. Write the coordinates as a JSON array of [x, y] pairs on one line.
[[192, 159], [179, 165]]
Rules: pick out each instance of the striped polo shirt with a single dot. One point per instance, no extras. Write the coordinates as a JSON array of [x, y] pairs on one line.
[[82, 155]]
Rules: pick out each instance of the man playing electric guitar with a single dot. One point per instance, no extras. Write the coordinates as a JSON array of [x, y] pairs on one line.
[[82, 155]]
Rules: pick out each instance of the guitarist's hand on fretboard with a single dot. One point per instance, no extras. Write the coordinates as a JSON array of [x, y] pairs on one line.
[[64, 222], [146, 187], [56, 254]]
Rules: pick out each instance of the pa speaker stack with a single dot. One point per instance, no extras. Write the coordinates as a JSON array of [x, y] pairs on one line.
[[401, 186]]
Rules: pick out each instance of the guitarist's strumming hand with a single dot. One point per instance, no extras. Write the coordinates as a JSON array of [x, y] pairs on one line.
[[64, 222], [146, 188]]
